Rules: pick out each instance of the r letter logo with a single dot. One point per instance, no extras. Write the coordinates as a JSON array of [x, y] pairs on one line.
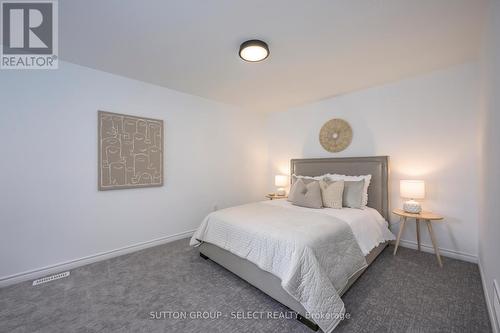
[[29, 34]]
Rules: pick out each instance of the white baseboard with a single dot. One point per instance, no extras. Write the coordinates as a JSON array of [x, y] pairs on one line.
[[489, 306], [444, 252], [68, 265]]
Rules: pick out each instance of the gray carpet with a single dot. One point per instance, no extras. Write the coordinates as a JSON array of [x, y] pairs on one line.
[[406, 293]]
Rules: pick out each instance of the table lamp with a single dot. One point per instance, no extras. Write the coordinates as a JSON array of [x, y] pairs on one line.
[[412, 189], [281, 181]]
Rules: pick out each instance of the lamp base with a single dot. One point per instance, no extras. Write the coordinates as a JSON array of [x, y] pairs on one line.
[[412, 206], [280, 191]]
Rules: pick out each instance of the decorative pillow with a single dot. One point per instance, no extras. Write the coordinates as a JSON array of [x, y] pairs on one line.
[[353, 193], [367, 179], [306, 195], [331, 193]]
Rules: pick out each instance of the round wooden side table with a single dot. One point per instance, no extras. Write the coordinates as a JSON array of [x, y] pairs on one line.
[[428, 217]]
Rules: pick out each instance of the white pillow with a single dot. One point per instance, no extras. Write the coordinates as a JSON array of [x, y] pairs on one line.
[[367, 179], [318, 178]]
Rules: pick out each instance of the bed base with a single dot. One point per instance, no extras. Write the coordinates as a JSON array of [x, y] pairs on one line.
[[312, 325], [268, 283]]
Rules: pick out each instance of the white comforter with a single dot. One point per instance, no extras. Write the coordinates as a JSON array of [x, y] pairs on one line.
[[368, 226], [313, 252]]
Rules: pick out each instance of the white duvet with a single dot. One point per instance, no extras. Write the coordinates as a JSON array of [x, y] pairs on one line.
[[368, 226], [313, 251]]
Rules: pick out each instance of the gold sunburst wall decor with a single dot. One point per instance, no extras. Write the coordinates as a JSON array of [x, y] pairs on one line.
[[335, 135]]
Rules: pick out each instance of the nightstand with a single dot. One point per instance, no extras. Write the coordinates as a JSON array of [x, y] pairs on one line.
[[275, 196], [428, 217]]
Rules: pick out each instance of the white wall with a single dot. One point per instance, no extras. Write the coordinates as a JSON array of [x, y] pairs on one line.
[[428, 125], [489, 226], [50, 209]]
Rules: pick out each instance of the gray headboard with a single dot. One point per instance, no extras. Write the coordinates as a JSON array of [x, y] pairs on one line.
[[377, 166]]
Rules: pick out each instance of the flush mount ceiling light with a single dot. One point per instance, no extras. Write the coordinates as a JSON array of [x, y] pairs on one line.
[[254, 50]]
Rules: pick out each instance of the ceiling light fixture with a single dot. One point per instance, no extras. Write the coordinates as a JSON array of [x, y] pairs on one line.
[[254, 50]]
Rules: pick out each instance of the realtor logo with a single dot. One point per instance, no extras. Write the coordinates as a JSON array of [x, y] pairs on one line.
[[29, 35]]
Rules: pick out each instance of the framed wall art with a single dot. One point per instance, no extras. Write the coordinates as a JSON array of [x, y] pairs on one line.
[[130, 151]]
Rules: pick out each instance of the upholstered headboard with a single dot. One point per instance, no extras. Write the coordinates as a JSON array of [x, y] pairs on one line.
[[377, 166]]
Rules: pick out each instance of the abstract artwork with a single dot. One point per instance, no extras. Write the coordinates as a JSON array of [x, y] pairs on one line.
[[130, 151]]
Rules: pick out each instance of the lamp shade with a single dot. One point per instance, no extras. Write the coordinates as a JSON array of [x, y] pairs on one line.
[[412, 189], [281, 180]]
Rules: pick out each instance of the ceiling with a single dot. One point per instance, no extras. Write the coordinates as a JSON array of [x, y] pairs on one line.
[[319, 48]]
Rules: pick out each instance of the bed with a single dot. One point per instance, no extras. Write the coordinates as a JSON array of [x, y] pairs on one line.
[[251, 262]]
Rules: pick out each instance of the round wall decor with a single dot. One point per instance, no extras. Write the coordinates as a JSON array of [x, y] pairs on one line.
[[335, 135]]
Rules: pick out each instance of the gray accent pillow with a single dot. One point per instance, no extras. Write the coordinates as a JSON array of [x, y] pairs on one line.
[[306, 195], [331, 193], [353, 193]]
